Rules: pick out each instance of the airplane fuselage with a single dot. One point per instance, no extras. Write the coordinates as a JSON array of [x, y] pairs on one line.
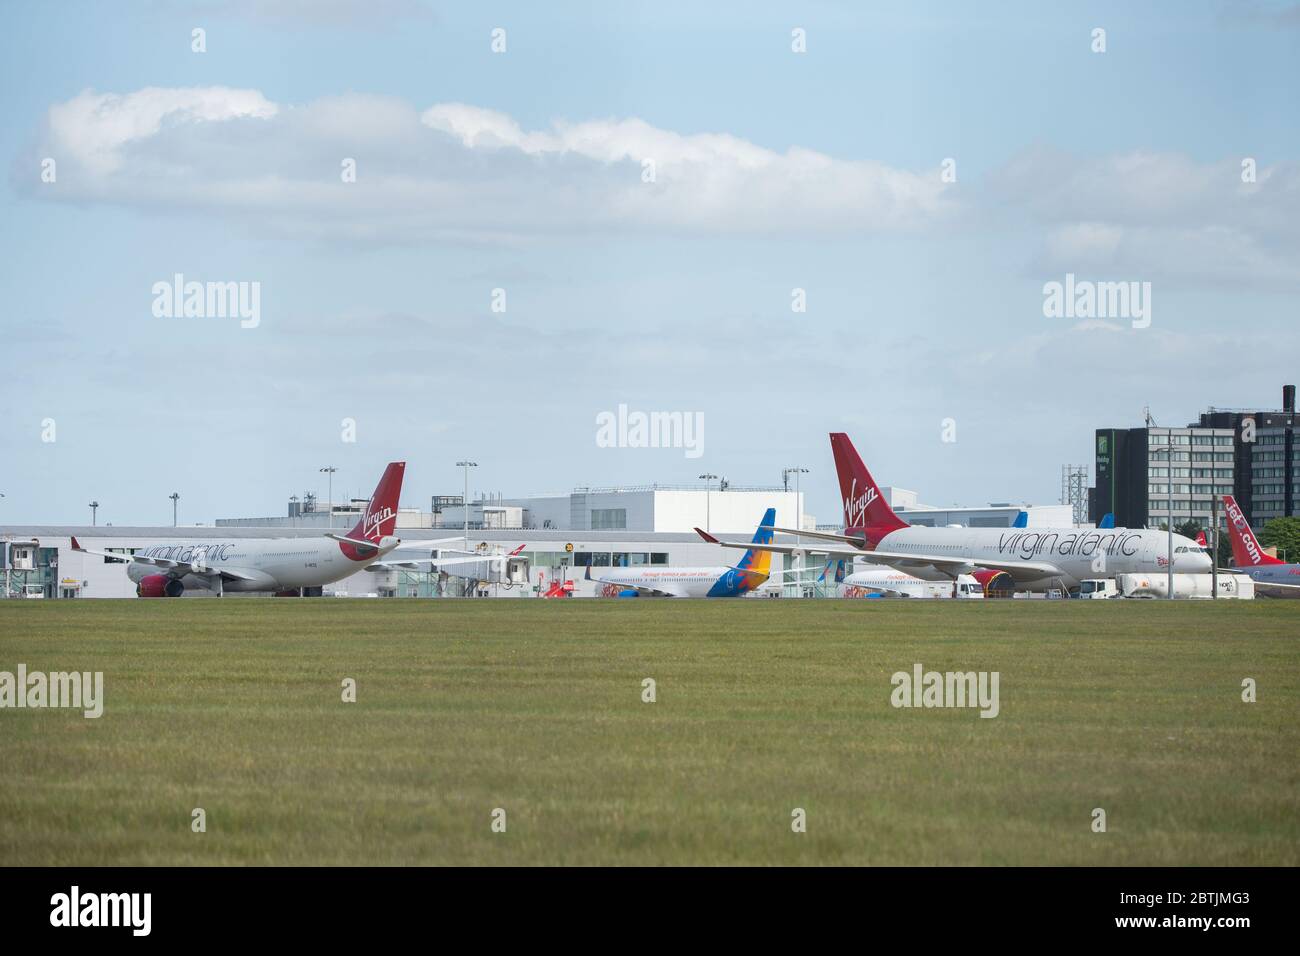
[[682, 582], [269, 564], [1079, 554], [1266, 574]]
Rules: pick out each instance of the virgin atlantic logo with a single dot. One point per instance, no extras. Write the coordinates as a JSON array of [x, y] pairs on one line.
[[374, 519], [855, 505]]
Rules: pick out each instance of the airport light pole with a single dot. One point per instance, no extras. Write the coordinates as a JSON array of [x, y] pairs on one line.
[[175, 496], [798, 516], [1169, 525], [94, 507], [464, 501], [329, 470], [708, 503], [798, 522], [1213, 540]]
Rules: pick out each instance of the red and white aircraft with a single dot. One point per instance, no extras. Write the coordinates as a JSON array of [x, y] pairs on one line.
[[268, 564], [1036, 559], [1249, 558]]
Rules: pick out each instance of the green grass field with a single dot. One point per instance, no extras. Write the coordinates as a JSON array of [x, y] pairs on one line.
[[763, 706]]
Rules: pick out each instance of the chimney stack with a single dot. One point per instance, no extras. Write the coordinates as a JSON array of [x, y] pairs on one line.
[[1288, 398]]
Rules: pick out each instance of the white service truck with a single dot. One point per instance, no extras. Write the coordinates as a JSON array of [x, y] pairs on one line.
[[1098, 588]]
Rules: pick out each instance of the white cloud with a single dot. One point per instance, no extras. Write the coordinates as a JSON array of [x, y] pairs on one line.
[[94, 127], [1158, 215], [458, 171], [454, 171]]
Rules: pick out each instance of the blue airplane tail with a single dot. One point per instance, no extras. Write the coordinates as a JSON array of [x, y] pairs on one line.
[[753, 569], [757, 561], [838, 577]]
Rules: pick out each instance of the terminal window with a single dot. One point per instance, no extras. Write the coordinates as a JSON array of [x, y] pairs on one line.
[[608, 519]]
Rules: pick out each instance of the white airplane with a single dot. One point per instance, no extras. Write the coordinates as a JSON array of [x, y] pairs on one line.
[[1036, 559], [268, 564], [892, 583], [876, 580], [749, 574]]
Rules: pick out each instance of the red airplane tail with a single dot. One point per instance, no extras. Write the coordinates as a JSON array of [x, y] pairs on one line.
[[1246, 552], [865, 508], [1200, 539], [380, 517]]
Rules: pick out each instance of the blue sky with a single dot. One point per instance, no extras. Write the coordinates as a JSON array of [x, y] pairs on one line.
[[521, 170]]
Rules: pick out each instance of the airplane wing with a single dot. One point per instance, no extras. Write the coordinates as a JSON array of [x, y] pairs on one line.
[[881, 589], [420, 564], [355, 542], [179, 568], [1260, 584], [1020, 571], [429, 563], [821, 536], [648, 592], [416, 565], [430, 544]]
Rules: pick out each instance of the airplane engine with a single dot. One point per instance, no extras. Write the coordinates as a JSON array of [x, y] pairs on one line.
[[994, 583], [159, 585]]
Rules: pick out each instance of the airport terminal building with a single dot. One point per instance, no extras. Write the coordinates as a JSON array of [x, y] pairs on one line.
[[655, 508]]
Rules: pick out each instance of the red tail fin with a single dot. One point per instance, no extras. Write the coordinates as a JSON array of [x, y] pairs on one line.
[[380, 517], [1200, 539], [864, 506], [1246, 552]]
